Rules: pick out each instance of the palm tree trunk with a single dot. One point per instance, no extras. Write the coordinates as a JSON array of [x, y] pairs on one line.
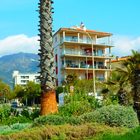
[[122, 97], [48, 103], [47, 68]]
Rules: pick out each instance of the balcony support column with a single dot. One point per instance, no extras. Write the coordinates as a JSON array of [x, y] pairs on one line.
[[64, 62], [86, 69], [109, 40], [78, 37], [79, 51], [109, 51], [64, 49], [79, 63], [64, 36], [109, 63], [95, 39]]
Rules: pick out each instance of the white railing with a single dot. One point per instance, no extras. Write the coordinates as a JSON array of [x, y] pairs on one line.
[[101, 41]]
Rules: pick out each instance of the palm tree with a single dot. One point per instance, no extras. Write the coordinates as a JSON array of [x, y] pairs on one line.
[[122, 86], [132, 73], [47, 68]]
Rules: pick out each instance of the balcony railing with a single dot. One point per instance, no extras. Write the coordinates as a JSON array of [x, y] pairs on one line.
[[83, 53], [101, 41], [86, 66]]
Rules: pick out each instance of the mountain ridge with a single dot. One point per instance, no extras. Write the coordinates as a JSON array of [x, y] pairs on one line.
[[22, 62]]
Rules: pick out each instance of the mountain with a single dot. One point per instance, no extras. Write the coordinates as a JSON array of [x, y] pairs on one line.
[[23, 62]]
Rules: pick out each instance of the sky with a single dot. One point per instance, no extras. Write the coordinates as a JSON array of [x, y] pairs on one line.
[[19, 22]]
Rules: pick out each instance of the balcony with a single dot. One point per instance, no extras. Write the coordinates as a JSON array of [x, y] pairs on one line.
[[84, 66], [87, 40], [83, 53]]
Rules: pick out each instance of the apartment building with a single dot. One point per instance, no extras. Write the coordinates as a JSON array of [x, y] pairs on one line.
[[23, 78], [82, 52], [117, 62]]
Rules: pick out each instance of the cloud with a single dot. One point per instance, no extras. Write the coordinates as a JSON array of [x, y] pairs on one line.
[[124, 45], [22, 43], [19, 43]]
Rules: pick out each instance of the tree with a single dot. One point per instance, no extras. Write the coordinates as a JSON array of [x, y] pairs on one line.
[[118, 85], [18, 92], [131, 71], [32, 90], [4, 91], [47, 69]]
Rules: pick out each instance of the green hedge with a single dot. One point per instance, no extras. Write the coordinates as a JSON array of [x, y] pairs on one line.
[[56, 120], [113, 115]]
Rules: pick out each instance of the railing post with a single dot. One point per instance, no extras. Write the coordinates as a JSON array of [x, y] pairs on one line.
[[63, 36]]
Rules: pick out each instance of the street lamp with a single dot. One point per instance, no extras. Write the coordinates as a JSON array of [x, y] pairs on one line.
[[93, 69]]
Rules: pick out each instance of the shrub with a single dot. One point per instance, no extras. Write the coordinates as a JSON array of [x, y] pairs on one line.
[[73, 120], [20, 126], [63, 132], [56, 120], [12, 119], [50, 119], [13, 128], [113, 115], [75, 108], [30, 114], [35, 114], [5, 111], [25, 113]]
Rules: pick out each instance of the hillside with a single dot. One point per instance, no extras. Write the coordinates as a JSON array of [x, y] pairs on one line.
[[23, 62]]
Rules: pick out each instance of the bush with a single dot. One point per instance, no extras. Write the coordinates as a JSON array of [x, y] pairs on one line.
[[75, 108], [31, 114], [64, 132], [13, 128], [113, 115], [73, 120], [50, 119], [5, 111], [25, 113], [18, 119], [56, 120], [35, 114], [20, 126]]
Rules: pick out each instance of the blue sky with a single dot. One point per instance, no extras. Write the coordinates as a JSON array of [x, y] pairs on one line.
[[19, 20]]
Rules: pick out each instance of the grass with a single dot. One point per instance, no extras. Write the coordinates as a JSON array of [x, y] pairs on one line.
[[66, 131], [134, 134]]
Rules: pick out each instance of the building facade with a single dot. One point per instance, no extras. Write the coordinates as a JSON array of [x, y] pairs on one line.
[[23, 78], [82, 52], [117, 63]]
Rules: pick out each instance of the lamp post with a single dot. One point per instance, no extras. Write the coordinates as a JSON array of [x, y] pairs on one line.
[[93, 69]]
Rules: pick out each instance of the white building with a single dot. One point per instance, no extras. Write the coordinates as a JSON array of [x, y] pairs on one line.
[[24, 78], [82, 52]]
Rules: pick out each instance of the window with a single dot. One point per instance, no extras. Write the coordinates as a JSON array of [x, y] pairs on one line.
[[24, 81], [25, 77]]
